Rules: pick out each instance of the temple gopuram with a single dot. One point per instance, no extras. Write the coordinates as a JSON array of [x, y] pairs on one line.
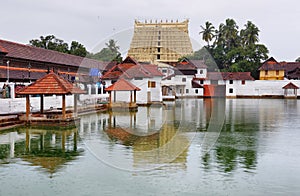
[[160, 41]]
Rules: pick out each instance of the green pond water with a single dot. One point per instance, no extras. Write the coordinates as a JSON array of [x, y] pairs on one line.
[[187, 147]]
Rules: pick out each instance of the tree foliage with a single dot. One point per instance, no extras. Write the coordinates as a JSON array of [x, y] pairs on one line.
[[298, 59], [109, 53], [233, 49], [50, 42], [77, 49]]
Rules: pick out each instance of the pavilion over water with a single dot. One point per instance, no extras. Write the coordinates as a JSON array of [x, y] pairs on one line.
[[51, 84]]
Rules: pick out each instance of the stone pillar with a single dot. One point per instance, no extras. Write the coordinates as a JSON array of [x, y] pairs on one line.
[[27, 107], [96, 89], [12, 90], [64, 107], [101, 87], [89, 87]]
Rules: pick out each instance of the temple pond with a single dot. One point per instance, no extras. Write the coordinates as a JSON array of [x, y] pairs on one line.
[[187, 147]]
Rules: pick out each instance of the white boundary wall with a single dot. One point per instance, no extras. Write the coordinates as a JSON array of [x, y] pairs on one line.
[[18, 105], [261, 88]]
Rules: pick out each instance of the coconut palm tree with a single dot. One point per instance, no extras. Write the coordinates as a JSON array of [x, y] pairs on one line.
[[230, 33], [112, 45], [250, 34], [207, 32]]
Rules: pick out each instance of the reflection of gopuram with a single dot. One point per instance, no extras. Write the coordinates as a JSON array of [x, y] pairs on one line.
[[48, 149], [151, 144]]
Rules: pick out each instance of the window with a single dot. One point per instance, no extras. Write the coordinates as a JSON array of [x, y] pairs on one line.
[[151, 84], [187, 91], [230, 81], [201, 81], [201, 71], [266, 72], [277, 72], [138, 78], [183, 79], [243, 82], [196, 91], [158, 49], [158, 43], [158, 37], [230, 90], [164, 71], [158, 56]]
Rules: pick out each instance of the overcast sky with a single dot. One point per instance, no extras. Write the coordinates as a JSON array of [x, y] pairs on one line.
[[91, 22]]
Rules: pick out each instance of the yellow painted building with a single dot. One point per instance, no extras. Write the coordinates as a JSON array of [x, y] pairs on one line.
[[271, 75], [271, 70], [160, 41]]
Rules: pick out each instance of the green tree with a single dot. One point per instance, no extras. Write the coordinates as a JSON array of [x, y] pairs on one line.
[[112, 46], [109, 53], [250, 34], [234, 50], [298, 59], [229, 34], [50, 42], [78, 49], [207, 32]]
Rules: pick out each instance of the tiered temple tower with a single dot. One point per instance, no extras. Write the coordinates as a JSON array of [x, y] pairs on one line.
[[160, 41]]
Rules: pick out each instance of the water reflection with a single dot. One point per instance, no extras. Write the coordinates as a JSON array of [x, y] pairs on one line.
[[49, 149], [151, 137], [158, 136]]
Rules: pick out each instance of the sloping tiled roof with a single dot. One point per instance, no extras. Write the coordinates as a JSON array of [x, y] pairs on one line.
[[290, 66], [190, 64], [129, 68], [229, 76], [237, 76], [3, 50], [290, 86], [122, 85], [198, 63], [21, 51], [184, 66], [49, 85], [23, 73], [294, 74], [270, 65]]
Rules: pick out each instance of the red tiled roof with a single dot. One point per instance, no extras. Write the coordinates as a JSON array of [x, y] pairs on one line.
[[122, 85], [49, 85], [198, 63], [190, 64], [110, 65], [270, 65], [21, 51], [3, 50], [290, 86], [182, 66], [229, 76], [290, 66], [131, 69]]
